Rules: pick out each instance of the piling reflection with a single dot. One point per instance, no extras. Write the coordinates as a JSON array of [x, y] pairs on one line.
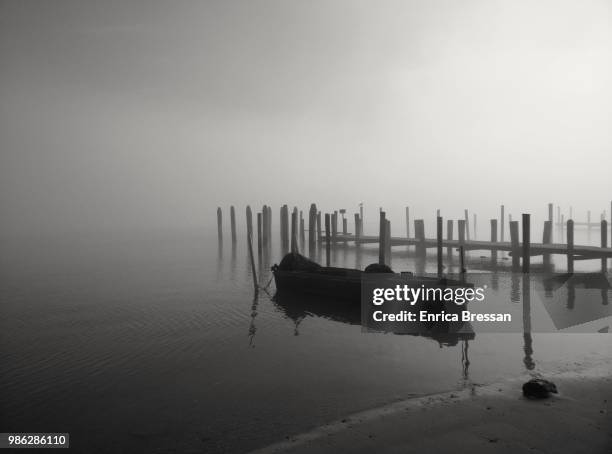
[[527, 339], [515, 288], [252, 327], [219, 259]]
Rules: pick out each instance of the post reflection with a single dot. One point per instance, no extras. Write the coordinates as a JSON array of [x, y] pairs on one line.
[[527, 340]]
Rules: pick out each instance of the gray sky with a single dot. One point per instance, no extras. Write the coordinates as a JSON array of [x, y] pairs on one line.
[[129, 113]]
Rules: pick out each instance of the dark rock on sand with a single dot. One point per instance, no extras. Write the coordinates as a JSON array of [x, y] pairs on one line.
[[538, 388]]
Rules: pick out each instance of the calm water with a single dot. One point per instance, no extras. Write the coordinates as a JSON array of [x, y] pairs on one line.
[[154, 343]]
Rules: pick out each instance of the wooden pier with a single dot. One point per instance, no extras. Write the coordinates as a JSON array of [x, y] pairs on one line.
[[520, 247], [588, 252]]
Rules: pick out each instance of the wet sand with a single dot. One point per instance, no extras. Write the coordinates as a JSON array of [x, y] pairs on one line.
[[479, 419]]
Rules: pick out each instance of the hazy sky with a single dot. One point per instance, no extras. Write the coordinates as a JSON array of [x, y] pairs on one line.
[[130, 113]]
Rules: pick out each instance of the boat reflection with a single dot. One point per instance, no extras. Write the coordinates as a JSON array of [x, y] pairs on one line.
[[297, 307]]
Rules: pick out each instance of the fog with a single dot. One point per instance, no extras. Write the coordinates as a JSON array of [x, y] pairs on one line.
[[141, 114]]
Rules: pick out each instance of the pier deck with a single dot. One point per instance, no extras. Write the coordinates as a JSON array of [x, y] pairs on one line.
[[591, 252]]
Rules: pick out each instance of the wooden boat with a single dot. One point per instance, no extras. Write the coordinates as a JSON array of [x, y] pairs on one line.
[[299, 275]]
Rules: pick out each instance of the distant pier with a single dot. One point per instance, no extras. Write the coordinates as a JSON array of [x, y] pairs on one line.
[[329, 236]]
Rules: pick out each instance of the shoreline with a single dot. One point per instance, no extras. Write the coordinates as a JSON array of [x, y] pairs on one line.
[[481, 418]]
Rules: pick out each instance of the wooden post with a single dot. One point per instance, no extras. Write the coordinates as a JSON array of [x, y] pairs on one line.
[[461, 236], [550, 212], [344, 226], [219, 224], [269, 231], [327, 239], [514, 240], [249, 219], [334, 227], [419, 234], [475, 226], [407, 222], [312, 220], [388, 242], [360, 220], [449, 237], [284, 227], [526, 242], [558, 214], [250, 246], [263, 228], [550, 218], [357, 232], [502, 221], [302, 232], [547, 239], [233, 223], [493, 241], [319, 234], [294, 227], [382, 235], [570, 246], [461, 231], [259, 227], [467, 226], [604, 244], [439, 235]]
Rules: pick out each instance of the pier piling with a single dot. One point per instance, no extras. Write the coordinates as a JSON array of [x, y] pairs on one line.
[[294, 227], [526, 242], [312, 220], [439, 234], [327, 239], [249, 220], [284, 229], [514, 240], [547, 239], [382, 235], [604, 244], [550, 218], [233, 223], [334, 227], [449, 237], [419, 233], [302, 230], [570, 246], [502, 223], [388, 241], [494, 240], [407, 222], [262, 230], [259, 227], [250, 247], [219, 224]]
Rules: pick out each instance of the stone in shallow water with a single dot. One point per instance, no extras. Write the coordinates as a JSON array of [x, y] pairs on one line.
[[538, 388]]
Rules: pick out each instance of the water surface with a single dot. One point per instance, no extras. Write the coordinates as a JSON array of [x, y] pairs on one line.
[[155, 343]]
